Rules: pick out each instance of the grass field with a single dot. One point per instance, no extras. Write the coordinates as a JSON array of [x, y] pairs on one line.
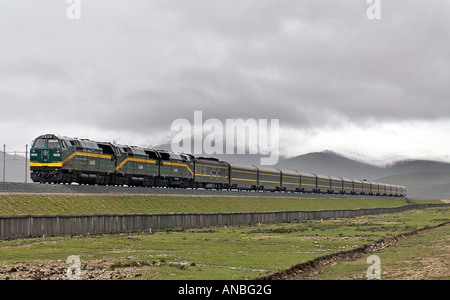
[[425, 256], [64, 204], [239, 252]]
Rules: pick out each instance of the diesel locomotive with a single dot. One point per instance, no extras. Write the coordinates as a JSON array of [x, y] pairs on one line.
[[64, 160]]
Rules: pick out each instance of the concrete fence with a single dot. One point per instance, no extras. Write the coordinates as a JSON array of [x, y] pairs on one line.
[[14, 227]]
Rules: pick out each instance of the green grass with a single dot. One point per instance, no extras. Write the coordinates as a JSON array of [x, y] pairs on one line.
[[214, 253], [425, 256], [64, 204], [238, 252]]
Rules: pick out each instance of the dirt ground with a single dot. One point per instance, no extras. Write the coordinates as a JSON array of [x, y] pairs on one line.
[[57, 270]]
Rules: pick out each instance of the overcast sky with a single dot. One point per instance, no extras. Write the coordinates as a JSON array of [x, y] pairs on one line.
[[336, 80]]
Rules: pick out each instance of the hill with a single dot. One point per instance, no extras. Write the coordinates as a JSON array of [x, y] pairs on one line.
[[427, 184], [412, 166], [332, 164]]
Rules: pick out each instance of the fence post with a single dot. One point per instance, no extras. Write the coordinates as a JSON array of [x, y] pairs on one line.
[[26, 163]]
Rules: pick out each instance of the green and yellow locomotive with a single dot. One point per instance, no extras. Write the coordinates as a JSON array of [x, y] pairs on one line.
[[64, 160], [55, 159]]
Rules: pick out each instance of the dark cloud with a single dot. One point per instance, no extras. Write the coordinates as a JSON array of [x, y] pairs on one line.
[[134, 67]]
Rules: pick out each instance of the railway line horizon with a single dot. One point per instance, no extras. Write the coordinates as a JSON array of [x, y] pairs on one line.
[[75, 188]]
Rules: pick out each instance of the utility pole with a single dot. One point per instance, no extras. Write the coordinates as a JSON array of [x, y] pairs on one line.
[[26, 163], [4, 163]]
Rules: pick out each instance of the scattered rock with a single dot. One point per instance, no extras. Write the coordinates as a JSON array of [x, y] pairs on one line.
[[57, 270]]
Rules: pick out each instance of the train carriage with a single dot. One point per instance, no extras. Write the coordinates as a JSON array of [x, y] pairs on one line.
[[403, 192], [308, 182], [290, 180], [336, 185], [389, 190], [243, 177], [374, 188], [357, 187], [400, 191], [323, 184], [211, 173], [366, 187], [382, 189], [397, 191], [347, 186], [269, 179], [393, 190]]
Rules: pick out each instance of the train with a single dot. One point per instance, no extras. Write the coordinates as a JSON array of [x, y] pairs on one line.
[[64, 160]]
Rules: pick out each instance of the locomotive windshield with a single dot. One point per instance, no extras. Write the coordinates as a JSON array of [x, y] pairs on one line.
[[39, 144], [52, 144], [49, 144]]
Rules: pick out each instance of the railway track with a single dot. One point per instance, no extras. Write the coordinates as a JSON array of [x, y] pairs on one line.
[[33, 188]]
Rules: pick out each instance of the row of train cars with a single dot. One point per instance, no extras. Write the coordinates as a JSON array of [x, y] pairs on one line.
[[55, 159]]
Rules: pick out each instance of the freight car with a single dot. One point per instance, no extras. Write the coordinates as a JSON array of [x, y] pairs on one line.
[[55, 159]]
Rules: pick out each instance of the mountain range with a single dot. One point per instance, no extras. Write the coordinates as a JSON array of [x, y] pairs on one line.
[[422, 178]]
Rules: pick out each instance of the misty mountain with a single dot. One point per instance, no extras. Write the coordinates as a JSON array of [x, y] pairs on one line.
[[427, 185], [332, 164], [410, 166]]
